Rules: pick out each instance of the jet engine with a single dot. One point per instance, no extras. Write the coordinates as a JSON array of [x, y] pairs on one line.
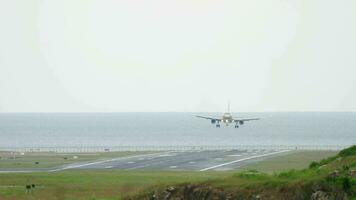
[[241, 122], [213, 121]]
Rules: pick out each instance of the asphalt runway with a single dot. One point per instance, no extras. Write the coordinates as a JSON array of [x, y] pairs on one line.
[[181, 161]]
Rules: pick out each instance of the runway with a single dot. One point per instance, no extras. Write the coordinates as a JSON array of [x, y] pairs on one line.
[[217, 160], [181, 161]]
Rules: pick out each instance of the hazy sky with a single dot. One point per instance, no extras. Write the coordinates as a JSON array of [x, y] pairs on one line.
[[177, 55]]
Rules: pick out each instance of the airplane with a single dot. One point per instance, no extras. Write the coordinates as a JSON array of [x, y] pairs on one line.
[[227, 119]]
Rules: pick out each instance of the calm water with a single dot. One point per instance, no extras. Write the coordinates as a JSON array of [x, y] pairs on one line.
[[113, 129]]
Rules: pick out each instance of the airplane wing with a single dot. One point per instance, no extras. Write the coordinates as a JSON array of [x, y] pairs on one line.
[[210, 118], [245, 120]]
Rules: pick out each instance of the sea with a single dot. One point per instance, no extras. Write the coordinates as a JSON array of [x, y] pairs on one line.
[[165, 129]]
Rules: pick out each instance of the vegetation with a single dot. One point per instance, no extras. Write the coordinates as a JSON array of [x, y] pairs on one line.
[[90, 184], [331, 178], [295, 160], [348, 152]]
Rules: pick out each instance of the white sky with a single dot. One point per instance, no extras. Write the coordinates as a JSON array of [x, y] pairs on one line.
[[177, 55]]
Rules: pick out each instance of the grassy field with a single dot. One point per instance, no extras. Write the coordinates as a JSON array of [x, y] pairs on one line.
[[295, 160], [331, 178], [83, 184], [51, 159], [115, 184]]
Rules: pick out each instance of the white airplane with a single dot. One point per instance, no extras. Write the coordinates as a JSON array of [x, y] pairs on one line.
[[227, 119]]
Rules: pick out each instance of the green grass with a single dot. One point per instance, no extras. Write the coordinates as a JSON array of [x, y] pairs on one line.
[[117, 184], [51, 159], [83, 184], [292, 184], [294, 160]]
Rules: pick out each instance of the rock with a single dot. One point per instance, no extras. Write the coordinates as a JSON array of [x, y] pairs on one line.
[[171, 189], [353, 173], [334, 174], [153, 197], [320, 195], [316, 187], [166, 195], [228, 196], [323, 166]]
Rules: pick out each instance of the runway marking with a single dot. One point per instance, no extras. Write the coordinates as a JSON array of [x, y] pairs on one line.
[[20, 171], [165, 155], [108, 167], [173, 167], [243, 159], [100, 162], [10, 186], [138, 167], [131, 162], [191, 162], [73, 165], [234, 155]]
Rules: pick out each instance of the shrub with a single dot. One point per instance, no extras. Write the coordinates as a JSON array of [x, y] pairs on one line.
[[289, 174], [348, 152], [314, 165], [346, 184]]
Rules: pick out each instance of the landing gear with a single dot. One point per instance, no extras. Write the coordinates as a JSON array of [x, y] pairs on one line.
[[236, 126], [217, 125]]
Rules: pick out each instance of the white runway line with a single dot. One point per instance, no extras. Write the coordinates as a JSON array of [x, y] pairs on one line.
[[165, 155], [138, 167], [235, 155], [173, 167], [100, 162], [243, 159], [108, 167], [20, 171]]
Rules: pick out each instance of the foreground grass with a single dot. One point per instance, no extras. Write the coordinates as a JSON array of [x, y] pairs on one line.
[[331, 178], [52, 159], [118, 184], [83, 184], [295, 160]]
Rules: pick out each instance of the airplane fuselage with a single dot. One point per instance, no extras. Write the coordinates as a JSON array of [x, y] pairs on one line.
[[227, 118]]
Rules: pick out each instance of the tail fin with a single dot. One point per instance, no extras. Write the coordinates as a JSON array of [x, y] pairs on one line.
[[228, 106]]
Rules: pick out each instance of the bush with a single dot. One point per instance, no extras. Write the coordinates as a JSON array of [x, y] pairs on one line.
[[314, 165], [251, 174], [348, 152], [346, 184], [289, 174]]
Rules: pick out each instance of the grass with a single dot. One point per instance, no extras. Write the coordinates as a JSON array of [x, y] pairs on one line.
[[333, 176], [100, 184], [115, 184], [295, 160], [51, 159]]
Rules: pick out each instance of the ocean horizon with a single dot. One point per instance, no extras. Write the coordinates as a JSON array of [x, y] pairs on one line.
[[174, 128]]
